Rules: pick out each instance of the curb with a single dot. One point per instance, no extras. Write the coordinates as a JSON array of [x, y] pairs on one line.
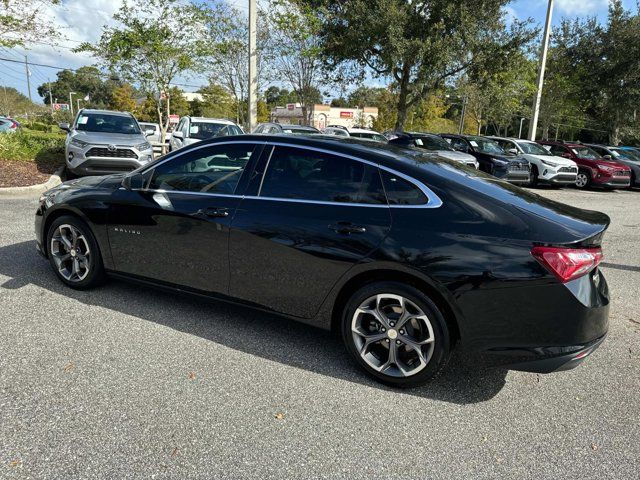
[[53, 181]]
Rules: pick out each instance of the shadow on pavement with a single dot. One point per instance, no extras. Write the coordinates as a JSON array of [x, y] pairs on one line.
[[269, 336]]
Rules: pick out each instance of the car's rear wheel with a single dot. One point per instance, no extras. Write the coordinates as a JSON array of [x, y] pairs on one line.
[[583, 179], [74, 254], [396, 333]]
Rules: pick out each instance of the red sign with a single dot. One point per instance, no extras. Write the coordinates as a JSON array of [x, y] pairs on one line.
[[60, 107], [174, 118], [291, 106], [346, 114]]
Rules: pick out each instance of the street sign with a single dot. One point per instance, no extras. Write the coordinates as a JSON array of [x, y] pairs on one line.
[[174, 118], [60, 107], [291, 106]]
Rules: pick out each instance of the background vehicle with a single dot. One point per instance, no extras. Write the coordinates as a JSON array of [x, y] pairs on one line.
[[7, 125], [192, 130], [433, 143], [402, 254], [545, 166], [155, 138], [621, 156], [102, 141], [491, 157], [593, 170], [633, 151], [286, 128], [339, 131]]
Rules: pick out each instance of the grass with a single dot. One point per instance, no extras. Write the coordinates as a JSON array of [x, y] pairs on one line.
[[43, 148]]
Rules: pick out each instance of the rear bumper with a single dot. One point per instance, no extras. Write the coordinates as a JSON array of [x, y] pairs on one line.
[[555, 359]]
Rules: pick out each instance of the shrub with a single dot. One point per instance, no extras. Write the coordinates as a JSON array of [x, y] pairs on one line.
[[30, 145]]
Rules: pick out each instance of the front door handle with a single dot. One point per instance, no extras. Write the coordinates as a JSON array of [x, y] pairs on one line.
[[213, 212], [347, 228]]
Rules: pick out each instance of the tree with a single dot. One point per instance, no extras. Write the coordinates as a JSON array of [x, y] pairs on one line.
[[154, 42], [419, 45], [85, 81], [278, 97], [21, 24], [123, 99], [12, 102], [294, 46], [218, 102], [607, 59]]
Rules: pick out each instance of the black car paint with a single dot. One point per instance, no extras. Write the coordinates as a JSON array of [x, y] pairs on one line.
[[489, 165], [472, 254]]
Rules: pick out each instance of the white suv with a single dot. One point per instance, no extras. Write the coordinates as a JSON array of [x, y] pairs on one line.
[[545, 166], [195, 129]]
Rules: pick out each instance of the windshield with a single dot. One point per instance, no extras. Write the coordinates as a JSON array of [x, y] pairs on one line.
[[485, 145], [432, 142], [534, 149], [205, 130], [106, 123], [585, 152], [371, 136]]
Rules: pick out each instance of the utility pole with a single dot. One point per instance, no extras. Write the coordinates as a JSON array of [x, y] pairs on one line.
[[533, 126], [520, 131], [71, 103], [28, 73], [50, 96], [253, 66]]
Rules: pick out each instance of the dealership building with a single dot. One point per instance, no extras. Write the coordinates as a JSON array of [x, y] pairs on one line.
[[323, 115]]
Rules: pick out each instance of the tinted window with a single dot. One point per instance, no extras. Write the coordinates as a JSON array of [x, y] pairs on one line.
[[557, 150], [107, 123], [216, 169], [308, 175], [401, 192], [205, 130]]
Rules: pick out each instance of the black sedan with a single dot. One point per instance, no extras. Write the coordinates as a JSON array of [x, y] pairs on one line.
[[405, 254], [492, 158]]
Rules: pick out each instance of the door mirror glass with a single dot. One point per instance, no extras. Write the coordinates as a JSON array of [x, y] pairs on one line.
[[149, 131], [178, 134], [608, 157], [567, 155], [65, 127], [513, 151]]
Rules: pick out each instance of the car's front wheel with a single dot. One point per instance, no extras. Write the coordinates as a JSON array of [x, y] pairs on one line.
[[73, 253], [396, 333], [583, 179]]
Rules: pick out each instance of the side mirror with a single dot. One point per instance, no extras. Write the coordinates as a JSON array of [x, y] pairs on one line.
[[608, 157], [134, 181], [149, 131], [178, 134], [461, 148], [64, 126], [566, 155], [513, 151]]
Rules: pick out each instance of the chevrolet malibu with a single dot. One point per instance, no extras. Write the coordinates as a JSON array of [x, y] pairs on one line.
[[405, 254]]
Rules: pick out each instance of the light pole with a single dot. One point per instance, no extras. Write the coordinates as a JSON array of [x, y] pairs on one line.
[[71, 102], [462, 115], [520, 131], [533, 126], [253, 67]]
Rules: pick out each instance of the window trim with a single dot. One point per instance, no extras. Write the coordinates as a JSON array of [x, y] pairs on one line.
[[433, 201]]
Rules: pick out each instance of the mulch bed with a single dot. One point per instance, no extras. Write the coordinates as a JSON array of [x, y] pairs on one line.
[[16, 173]]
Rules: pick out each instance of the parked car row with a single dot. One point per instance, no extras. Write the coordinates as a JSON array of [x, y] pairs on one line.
[[8, 125]]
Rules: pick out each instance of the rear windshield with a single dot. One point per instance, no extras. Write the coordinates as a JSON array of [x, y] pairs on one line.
[[432, 142], [106, 123]]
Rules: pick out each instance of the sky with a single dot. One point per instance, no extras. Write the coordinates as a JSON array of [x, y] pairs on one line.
[[81, 20]]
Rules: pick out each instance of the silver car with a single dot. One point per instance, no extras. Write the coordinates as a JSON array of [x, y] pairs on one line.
[[155, 137], [101, 142]]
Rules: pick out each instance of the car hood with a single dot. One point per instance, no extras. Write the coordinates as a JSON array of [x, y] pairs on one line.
[[99, 138], [456, 156], [561, 161]]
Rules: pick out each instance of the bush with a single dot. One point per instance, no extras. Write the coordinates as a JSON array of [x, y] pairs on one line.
[[41, 127], [30, 145]]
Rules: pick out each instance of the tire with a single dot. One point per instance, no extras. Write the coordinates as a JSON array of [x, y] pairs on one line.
[[534, 177], [583, 180], [376, 336], [76, 258]]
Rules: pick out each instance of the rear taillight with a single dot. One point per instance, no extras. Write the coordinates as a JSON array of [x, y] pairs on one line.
[[14, 125], [568, 263]]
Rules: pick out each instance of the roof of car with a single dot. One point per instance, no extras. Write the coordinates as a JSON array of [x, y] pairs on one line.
[[211, 120], [558, 142], [363, 130], [109, 112]]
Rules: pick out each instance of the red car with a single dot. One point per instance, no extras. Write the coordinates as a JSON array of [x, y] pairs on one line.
[[593, 170]]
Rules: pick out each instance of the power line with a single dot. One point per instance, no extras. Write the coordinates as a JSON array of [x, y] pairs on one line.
[[102, 74]]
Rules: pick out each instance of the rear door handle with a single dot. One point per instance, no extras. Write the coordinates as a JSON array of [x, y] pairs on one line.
[[347, 228], [213, 212]]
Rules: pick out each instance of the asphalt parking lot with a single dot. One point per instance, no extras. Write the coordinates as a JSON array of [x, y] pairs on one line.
[[125, 381]]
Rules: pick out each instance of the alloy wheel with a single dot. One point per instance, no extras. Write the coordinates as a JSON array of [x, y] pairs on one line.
[[582, 180], [70, 252], [393, 335]]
